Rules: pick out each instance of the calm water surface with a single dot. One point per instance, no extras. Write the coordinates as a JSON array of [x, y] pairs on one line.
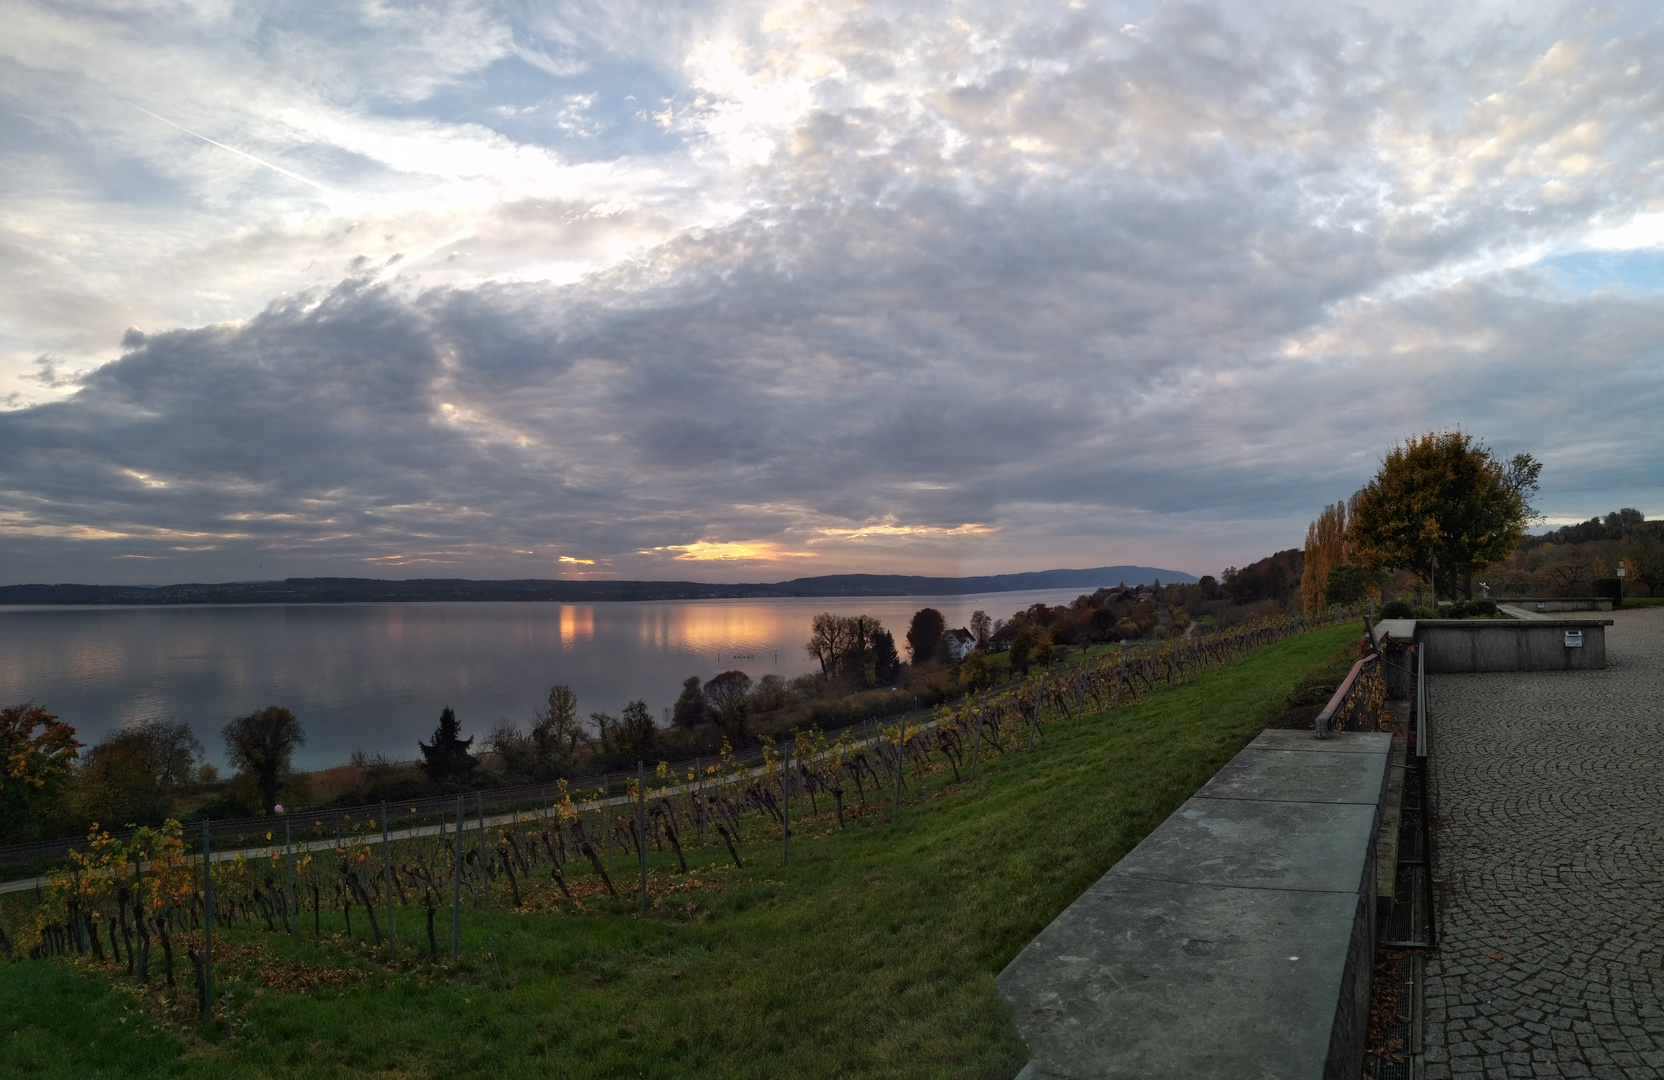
[[374, 676]]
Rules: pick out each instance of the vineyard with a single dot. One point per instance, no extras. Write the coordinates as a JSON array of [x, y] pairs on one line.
[[677, 853], [1108, 677]]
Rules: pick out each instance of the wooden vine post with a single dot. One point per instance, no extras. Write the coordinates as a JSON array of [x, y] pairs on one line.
[[901, 748], [289, 848], [976, 740], [641, 829], [485, 865], [456, 888], [699, 786], [1039, 700], [387, 858], [207, 924], [786, 807]]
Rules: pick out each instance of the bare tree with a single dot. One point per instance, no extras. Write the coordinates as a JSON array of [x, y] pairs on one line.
[[843, 642], [828, 641], [516, 751], [631, 735]]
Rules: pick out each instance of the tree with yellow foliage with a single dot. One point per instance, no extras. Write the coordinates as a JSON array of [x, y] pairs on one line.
[[37, 752], [1444, 497], [1328, 545]]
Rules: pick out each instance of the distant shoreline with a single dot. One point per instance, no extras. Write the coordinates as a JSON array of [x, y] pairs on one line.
[[430, 590]]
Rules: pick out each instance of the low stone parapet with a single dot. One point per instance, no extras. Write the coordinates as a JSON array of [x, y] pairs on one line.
[[1236, 941], [1559, 603], [1527, 644]]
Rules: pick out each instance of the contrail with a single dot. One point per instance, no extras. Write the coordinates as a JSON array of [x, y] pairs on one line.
[[234, 150]]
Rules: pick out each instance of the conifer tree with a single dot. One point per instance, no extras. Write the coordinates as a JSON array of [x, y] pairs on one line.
[[447, 757]]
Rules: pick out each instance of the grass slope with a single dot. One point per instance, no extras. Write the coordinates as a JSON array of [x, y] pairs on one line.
[[873, 954]]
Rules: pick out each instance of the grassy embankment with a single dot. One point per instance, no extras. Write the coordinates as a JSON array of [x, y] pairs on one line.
[[873, 954]]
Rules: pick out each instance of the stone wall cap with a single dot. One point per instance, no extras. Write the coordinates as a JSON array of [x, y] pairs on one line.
[[1516, 624], [1338, 742]]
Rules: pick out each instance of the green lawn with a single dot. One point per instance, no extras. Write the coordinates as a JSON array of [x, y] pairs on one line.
[[873, 954]]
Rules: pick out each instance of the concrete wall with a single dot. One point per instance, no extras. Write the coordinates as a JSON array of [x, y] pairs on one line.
[[1559, 603], [1457, 645], [1237, 941]]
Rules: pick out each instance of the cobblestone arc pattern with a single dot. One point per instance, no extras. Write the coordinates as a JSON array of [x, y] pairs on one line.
[[1549, 799]]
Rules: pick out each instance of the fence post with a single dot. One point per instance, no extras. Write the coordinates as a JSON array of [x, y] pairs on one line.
[[901, 746], [641, 829], [786, 807], [289, 844], [387, 857], [485, 865], [1039, 699], [207, 923], [456, 888], [704, 813], [1424, 763]]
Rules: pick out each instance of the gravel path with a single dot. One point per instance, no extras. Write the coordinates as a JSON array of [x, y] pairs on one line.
[[1550, 800]]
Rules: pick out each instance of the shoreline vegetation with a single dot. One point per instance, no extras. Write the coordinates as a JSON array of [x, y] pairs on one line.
[[869, 949], [147, 773]]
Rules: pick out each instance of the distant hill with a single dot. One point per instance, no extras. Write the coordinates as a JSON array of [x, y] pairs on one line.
[[900, 585], [375, 590]]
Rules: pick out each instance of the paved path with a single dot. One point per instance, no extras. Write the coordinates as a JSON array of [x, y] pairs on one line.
[[1550, 794]]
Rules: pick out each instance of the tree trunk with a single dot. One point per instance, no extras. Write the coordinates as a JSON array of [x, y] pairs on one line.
[[595, 860]]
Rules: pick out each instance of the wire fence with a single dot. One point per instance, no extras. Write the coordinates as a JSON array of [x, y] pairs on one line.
[[1103, 681], [552, 847]]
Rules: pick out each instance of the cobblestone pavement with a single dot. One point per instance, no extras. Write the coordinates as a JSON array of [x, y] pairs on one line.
[[1550, 800]]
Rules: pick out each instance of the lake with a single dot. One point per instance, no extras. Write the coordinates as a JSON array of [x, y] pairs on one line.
[[374, 677]]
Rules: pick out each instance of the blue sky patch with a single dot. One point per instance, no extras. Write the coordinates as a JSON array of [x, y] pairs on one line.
[[1608, 271], [600, 113]]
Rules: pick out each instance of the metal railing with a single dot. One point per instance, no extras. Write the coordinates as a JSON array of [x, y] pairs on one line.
[[1418, 866], [1344, 713]]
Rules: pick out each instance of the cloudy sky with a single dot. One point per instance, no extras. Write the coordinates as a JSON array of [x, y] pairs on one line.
[[748, 291]]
